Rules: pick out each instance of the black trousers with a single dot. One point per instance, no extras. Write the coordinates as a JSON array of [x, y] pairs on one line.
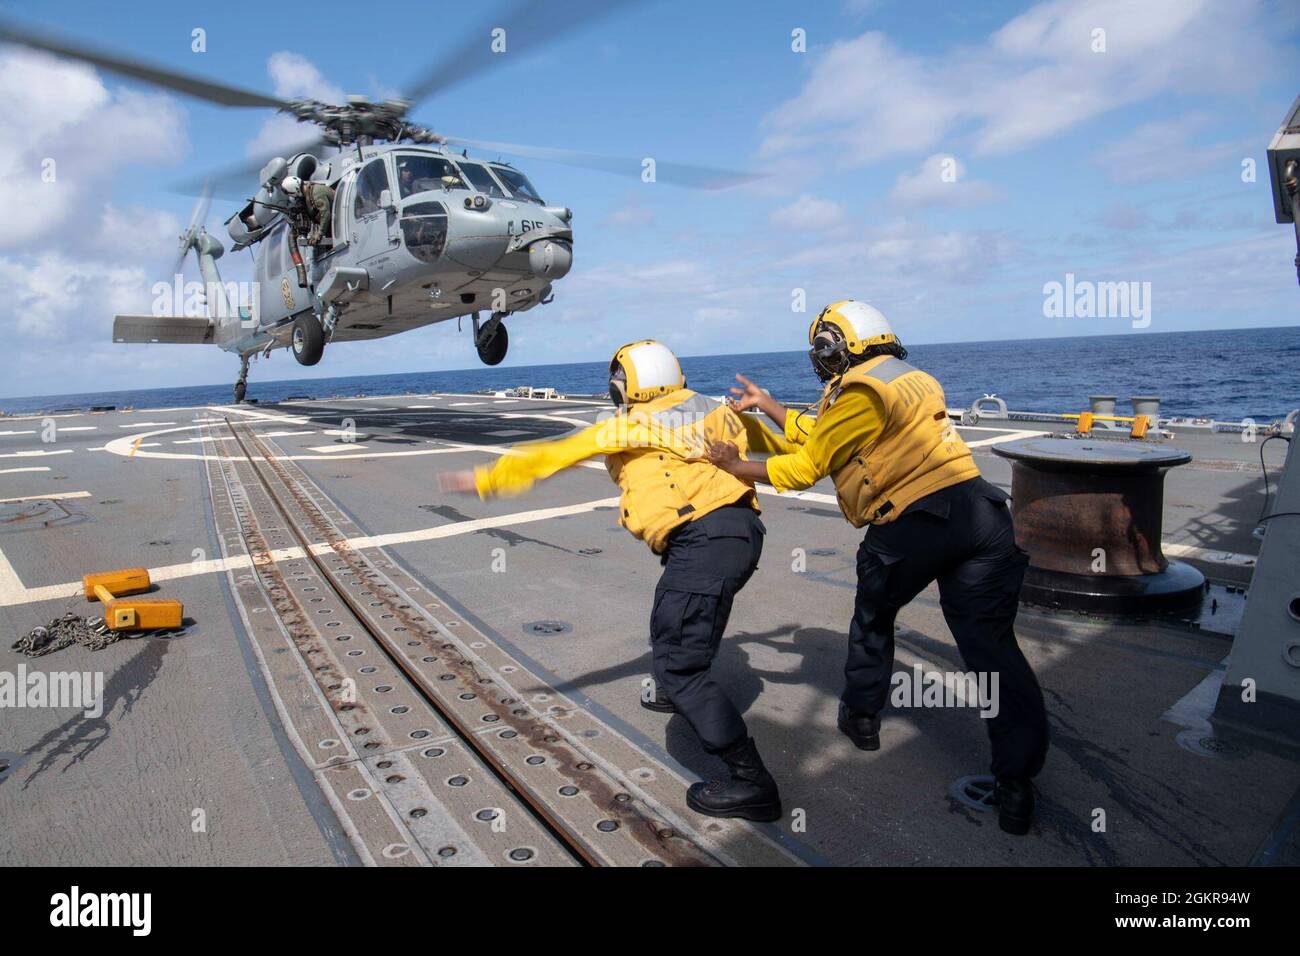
[[706, 563], [962, 537]]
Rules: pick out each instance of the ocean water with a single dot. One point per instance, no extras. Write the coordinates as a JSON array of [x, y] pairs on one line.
[[1247, 373]]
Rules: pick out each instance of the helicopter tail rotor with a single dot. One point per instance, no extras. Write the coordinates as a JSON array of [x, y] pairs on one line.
[[198, 217]]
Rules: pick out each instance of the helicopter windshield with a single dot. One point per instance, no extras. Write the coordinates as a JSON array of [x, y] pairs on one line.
[[518, 183], [482, 180], [424, 173]]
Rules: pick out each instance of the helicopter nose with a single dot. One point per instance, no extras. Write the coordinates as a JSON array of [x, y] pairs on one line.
[[550, 258]]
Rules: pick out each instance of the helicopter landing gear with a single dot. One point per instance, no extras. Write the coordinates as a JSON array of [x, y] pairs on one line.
[[491, 339], [308, 341], [241, 383]]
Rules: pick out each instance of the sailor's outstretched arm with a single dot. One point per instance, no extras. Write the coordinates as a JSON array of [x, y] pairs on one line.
[[517, 470]]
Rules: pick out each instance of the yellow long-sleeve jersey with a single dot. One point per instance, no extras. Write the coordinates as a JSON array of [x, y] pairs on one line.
[[656, 452], [821, 446]]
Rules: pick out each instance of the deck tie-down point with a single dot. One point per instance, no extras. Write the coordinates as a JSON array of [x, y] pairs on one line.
[[131, 614]]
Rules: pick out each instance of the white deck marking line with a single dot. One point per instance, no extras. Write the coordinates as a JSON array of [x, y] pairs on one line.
[[14, 471], [333, 449], [11, 586], [13, 434], [37, 453], [145, 424], [464, 404], [1194, 708], [264, 416], [58, 496], [1209, 554], [12, 591], [78, 428], [1009, 436]]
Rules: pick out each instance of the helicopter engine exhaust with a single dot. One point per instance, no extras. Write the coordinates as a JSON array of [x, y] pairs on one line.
[[550, 259]]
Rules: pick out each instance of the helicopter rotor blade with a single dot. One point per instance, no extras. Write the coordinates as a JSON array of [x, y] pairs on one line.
[[197, 87], [529, 27], [234, 180], [676, 174]]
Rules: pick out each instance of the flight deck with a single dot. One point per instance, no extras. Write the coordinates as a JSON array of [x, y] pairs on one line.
[[372, 672]]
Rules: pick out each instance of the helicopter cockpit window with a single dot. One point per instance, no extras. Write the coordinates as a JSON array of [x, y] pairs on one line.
[[424, 173], [372, 181], [482, 180], [424, 230], [518, 183]]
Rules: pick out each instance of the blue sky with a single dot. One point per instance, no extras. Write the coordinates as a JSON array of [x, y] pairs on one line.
[[1122, 164]]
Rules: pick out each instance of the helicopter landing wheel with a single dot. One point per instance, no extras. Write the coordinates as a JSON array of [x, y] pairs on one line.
[[493, 350], [308, 342]]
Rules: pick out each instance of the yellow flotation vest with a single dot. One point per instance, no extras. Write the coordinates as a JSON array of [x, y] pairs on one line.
[[917, 452], [671, 481]]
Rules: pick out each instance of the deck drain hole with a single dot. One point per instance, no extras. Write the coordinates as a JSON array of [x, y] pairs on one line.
[[488, 814], [522, 854], [419, 734], [394, 778], [547, 628], [974, 791], [434, 752], [447, 851], [457, 781], [607, 826], [1207, 745], [383, 688], [568, 791], [358, 794], [327, 744], [403, 709], [653, 863], [534, 760], [419, 812]]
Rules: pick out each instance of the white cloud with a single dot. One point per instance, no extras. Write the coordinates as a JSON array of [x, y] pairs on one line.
[[809, 214], [293, 76], [1163, 149], [941, 181], [49, 111], [1035, 77]]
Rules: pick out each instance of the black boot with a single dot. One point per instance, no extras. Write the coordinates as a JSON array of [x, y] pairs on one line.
[[660, 705], [750, 793], [862, 730], [1015, 800]]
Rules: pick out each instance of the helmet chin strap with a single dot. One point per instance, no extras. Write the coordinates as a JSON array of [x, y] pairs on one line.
[[618, 386], [829, 355]]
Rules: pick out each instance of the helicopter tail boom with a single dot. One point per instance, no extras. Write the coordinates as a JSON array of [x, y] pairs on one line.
[[164, 329]]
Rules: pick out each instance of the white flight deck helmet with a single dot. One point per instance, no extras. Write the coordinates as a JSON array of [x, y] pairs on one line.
[[291, 185], [643, 370], [842, 332]]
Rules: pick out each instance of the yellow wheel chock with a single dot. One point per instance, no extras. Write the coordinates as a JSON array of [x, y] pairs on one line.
[[133, 614]]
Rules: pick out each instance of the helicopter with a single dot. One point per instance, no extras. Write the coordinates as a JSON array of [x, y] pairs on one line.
[[418, 233]]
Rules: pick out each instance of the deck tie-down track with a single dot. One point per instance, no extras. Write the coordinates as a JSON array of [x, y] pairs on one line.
[[432, 743]]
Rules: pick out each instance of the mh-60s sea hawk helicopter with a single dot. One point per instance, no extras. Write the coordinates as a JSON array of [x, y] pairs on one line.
[[418, 233]]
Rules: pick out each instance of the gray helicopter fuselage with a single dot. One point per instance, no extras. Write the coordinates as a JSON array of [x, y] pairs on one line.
[[406, 247]]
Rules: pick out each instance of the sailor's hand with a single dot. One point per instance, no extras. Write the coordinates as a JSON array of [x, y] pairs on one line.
[[724, 454], [457, 482], [750, 396]]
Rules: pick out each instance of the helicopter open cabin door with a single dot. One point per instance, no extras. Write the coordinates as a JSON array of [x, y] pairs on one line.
[[374, 228]]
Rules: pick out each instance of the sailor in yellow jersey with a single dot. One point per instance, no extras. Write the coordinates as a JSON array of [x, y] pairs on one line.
[[883, 433], [702, 523]]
